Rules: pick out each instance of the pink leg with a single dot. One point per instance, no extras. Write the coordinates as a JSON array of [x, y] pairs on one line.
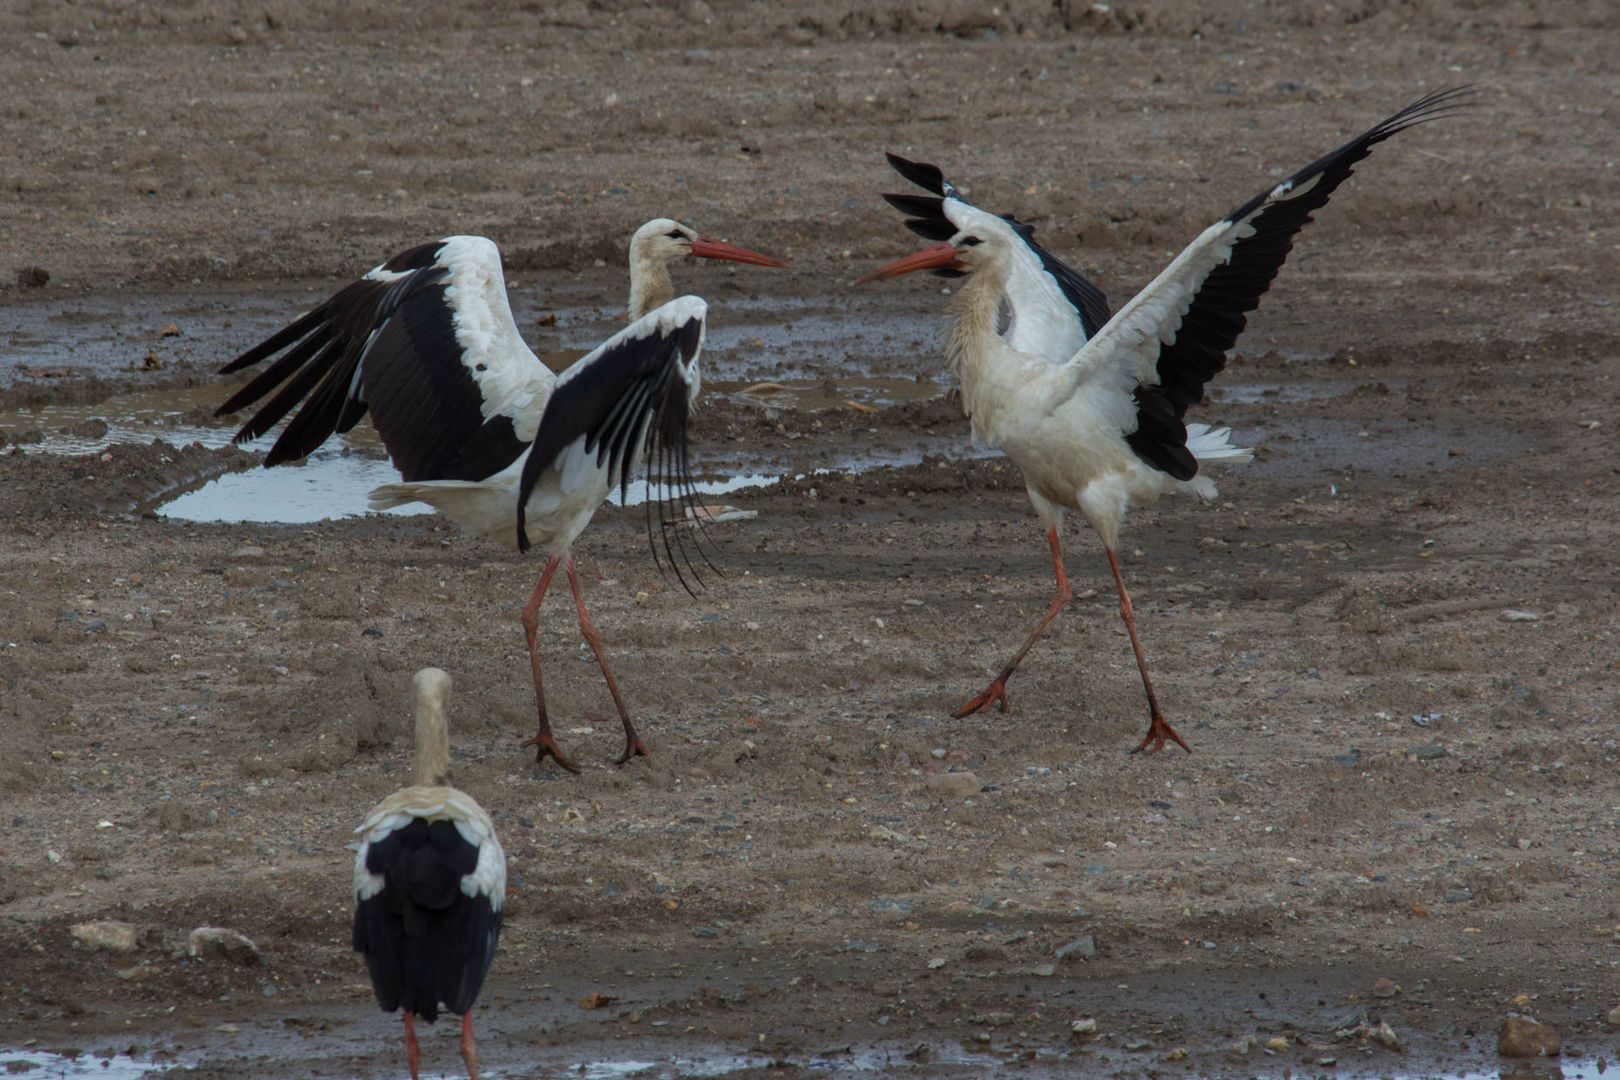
[[469, 1052], [997, 690], [633, 746], [543, 738], [1159, 730], [413, 1052]]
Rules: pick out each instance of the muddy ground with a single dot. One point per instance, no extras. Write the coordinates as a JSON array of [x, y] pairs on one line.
[[1391, 642]]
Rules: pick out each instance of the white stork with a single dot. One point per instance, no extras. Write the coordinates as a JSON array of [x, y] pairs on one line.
[[1089, 406], [478, 427], [429, 882]]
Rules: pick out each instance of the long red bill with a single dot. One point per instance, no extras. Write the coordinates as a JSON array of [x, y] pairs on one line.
[[938, 257], [704, 248]]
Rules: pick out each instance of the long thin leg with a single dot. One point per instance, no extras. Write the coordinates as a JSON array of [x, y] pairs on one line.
[[469, 1052], [413, 1052], [543, 739], [633, 746], [1159, 729], [997, 690]]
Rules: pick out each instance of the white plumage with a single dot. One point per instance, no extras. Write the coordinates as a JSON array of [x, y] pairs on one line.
[[478, 427], [1090, 406]]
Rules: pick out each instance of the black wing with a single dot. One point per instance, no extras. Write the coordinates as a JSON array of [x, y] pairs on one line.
[[1219, 308], [629, 398], [387, 344], [925, 216], [425, 941]]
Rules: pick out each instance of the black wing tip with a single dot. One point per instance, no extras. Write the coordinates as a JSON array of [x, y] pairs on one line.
[[926, 176]]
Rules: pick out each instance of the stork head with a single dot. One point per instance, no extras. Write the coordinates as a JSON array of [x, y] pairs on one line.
[[663, 240], [980, 242]]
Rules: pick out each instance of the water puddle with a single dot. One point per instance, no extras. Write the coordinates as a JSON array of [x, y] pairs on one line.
[[47, 1065]]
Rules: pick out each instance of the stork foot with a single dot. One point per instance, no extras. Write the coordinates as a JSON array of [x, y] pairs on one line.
[[995, 693], [1158, 734], [633, 747], [546, 746]]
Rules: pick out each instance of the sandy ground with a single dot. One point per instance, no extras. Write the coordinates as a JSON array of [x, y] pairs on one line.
[[195, 716]]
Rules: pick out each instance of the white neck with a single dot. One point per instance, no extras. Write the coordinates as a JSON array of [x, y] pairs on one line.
[[650, 286], [432, 729]]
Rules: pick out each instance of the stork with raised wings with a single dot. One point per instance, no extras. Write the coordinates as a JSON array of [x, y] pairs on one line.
[[483, 431], [1091, 407]]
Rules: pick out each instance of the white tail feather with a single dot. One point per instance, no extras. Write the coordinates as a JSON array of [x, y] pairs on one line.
[[476, 505], [1215, 444]]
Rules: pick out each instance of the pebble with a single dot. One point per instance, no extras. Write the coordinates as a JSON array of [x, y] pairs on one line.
[[248, 551], [1522, 1037], [936, 963], [1458, 895], [961, 784], [1081, 948], [705, 932], [1426, 752], [1086, 1026], [116, 937], [1515, 615], [228, 944], [1277, 1043], [890, 904], [1385, 1036], [1385, 987], [1614, 1017]]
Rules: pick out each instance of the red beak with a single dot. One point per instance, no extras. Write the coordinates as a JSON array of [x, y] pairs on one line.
[[704, 248], [938, 257]]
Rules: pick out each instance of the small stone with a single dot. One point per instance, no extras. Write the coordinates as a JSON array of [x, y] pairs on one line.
[[1522, 844], [116, 937], [1178, 1054], [1614, 1017], [248, 551], [1427, 752], [936, 963], [1043, 970], [1277, 1043], [1139, 1044], [1083, 947], [958, 784], [1085, 1026], [216, 941], [1385, 987], [1459, 895], [52, 855], [937, 753], [1522, 1037], [705, 932], [1385, 1036], [1515, 615]]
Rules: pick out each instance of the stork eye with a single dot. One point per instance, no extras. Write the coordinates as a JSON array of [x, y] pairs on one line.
[[971, 241], [676, 234]]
